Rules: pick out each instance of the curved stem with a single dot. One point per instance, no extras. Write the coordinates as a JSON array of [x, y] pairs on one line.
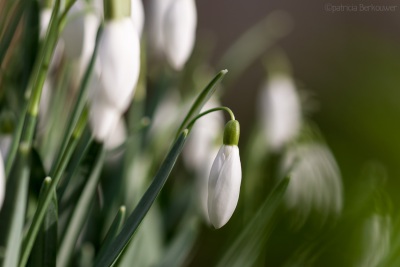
[[191, 123]]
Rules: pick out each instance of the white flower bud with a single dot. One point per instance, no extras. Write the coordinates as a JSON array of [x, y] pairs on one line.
[[280, 111], [179, 32], [224, 185], [119, 60], [137, 15], [2, 181], [118, 135]]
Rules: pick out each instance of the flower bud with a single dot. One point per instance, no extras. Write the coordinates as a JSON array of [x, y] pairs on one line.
[[179, 32], [224, 185]]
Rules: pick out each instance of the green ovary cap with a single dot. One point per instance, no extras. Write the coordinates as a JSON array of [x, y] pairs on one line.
[[117, 9], [232, 133]]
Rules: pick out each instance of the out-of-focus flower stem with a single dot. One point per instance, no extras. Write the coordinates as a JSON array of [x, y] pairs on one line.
[[191, 123]]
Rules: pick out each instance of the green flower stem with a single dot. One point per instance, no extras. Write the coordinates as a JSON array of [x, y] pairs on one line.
[[203, 97], [191, 123], [80, 102], [41, 209]]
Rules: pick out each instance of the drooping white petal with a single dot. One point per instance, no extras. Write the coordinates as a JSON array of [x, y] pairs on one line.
[[315, 181], [224, 185], [137, 15], [119, 56], [280, 111], [179, 32], [103, 119], [158, 10], [2, 181]]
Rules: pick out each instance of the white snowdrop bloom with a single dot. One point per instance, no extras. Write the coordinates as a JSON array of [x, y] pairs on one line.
[[137, 15], [2, 181], [280, 111], [179, 32], [203, 137], [157, 12], [315, 180], [375, 241], [119, 59], [225, 178]]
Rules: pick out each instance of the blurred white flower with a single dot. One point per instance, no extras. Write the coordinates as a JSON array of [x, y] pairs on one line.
[[179, 32], [280, 111], [315, 180], [45, 15], [224, 185], [158, 9], [5, 144], [376, 240], [2, 181], [137, 15], [203, 137], [118, 67], [173, 29], [79, 36]]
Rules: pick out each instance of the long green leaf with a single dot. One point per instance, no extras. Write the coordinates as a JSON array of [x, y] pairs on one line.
[[245, 250], [81, 211], [134, 220], [203, 97], [13, 213], [114, 229]]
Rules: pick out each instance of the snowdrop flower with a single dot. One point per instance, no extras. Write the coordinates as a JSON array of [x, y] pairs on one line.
[[2, 181], [280, 111], [5, 144], [45, 15], [315, 180], [118, 135], [119, 62], [225, 178], [201, 149], [179, 32], [173, 30]]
